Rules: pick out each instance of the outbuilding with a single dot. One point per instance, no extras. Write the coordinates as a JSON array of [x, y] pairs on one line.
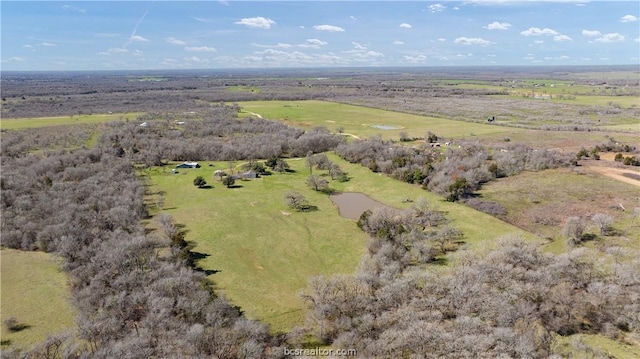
[[188, 165]]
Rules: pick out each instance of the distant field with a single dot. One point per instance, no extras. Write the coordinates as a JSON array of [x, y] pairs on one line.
[[34, 291], [266, 253], [19, 123], [359, 120]]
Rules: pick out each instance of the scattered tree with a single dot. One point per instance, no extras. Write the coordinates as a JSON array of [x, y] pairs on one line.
[[294, 200], [336, 173], [317, 183], [229, 181], [199, 181], [573, 230], [603, 222]]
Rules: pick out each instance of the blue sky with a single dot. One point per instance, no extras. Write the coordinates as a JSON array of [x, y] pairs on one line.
[[126, 35]]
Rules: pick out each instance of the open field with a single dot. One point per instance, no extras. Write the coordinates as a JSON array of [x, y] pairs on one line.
[[34, 291], [359, 120], [540, 202], [265, 253], [609, 346], [19, 123]]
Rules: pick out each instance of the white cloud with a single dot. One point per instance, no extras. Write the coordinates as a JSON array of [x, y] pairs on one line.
[[415, 59], [73, 8], [256, 22], [48, 44], [398, 42], [104, 53], [27, 46], [202, 19], [279, 45], [471, 41], [329, 28], [316, 42], [536, 31], [614, 37], [404, 25], [591, 33], [115, 50], [313, 43], [196, 60], [628, 18], [200, 48], [562, 38], [358, 46], [17, 59], [436, 8], [539, 42], [137, 38], [174, 41], [442, 39], [498, 26]]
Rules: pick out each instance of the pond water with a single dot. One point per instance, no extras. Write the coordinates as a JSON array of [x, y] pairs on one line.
[[386, 127], [352, 204]]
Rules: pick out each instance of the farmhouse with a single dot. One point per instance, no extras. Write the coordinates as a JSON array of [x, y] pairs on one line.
[[188, 165]]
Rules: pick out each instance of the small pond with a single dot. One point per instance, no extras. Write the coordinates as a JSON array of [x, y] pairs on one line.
[[386, 127], [352, 204]]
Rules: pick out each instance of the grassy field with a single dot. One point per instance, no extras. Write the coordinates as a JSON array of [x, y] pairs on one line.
[[541, 201], [265, 253], [34, 291], [19, 123], [359, 120], [614, 348]]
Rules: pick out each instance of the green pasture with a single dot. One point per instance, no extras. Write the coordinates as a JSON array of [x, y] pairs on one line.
[[265, 253], [20, 123], [35, 293], [358, 121]]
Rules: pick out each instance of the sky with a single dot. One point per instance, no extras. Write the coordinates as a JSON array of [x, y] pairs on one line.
[[154, 35]]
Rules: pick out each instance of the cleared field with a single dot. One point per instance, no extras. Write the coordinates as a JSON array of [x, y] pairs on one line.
[[359, 120], [613, 348], [265, 253], [540, 202], [18, 123], [35, 293]]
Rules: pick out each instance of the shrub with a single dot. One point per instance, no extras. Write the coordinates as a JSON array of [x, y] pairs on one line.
[[573, 230], [199, 181]]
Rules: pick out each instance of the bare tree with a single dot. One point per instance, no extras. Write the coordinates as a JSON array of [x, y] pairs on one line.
[[317, 183], [293, 199], [573, 230], [603, 222]]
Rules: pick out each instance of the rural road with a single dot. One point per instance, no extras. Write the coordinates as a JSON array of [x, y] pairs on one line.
[[606, 168]]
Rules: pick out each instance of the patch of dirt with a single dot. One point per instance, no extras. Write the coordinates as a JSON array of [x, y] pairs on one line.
[[285, 213], [613, 170]]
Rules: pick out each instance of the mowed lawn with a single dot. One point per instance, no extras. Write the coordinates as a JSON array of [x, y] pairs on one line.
[[19, 123], [358, 120], [265, 253], [34, 291]]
